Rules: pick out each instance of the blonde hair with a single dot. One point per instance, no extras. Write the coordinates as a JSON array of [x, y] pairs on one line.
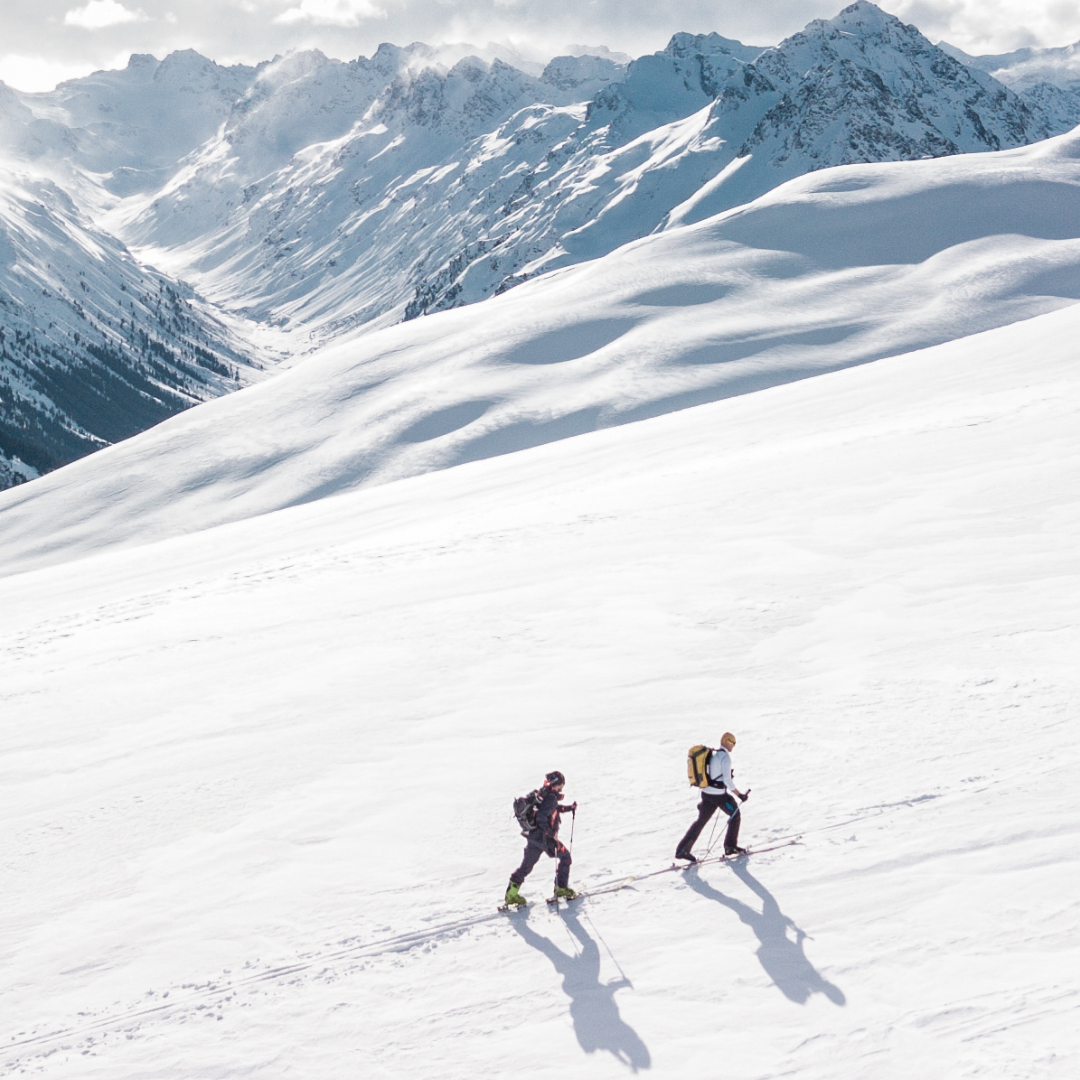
[[727, 740]]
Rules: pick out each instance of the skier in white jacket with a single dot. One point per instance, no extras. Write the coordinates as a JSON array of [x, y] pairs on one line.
[[719, 795]]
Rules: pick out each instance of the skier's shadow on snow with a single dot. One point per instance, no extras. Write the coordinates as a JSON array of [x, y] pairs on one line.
[[593, 1009], [782, 958]]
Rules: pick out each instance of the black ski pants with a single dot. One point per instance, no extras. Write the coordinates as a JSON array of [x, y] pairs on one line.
[[706, 808], [540, 845]]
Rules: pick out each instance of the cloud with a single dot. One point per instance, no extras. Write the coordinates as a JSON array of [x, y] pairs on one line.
[[331, 12], [35, 74], [993, 26], [101, 13]]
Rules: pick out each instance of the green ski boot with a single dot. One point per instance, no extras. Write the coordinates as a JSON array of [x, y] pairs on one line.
[[565, 893], [513, 897]]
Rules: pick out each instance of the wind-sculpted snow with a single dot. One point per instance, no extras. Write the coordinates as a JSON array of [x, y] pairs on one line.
[[831, 270]]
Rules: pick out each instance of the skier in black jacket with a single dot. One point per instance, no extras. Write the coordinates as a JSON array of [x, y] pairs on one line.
[[544, 839]]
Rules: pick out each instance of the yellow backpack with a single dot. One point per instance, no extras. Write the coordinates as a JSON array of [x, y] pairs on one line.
[[697, 766]]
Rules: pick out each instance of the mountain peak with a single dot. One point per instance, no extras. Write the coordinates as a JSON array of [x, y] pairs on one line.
[[865, 13], [571, 72], [142, 61], [864, 19], [683, 44], [323, 195]]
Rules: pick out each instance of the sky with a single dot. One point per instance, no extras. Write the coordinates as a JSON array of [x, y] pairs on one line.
[[50, 40]]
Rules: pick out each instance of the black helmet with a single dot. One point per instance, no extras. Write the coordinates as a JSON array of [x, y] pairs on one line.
[[554, 779]]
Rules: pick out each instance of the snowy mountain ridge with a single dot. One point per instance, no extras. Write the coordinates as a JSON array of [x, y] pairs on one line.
[[1027, 67], [387, 220]]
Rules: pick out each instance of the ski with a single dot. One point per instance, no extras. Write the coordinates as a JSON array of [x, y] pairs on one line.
[[623, 883], [734, 858], [512, 907], [761, 850], [553, 901]]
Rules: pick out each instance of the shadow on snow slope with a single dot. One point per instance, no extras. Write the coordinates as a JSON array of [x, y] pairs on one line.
[[782, 958], [597, 1023]]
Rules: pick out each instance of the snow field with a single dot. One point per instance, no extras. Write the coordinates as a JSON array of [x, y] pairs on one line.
[[288, 739]]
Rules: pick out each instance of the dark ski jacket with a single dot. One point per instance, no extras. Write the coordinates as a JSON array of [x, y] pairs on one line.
[[547, 816]]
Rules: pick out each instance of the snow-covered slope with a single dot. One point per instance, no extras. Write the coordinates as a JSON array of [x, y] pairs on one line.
[[425, 190], [93, 346], [862, 87], [833, 269], [257, 782]]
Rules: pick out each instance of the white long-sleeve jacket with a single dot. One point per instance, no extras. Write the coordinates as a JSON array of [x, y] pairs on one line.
[[720, 773]]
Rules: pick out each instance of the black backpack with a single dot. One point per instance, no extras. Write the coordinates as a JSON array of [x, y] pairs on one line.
[[525, 808]]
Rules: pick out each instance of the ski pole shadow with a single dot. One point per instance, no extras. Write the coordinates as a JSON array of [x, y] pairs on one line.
[[783, 959], [593, 1009]]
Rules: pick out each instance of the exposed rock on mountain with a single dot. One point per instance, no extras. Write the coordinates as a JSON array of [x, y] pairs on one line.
[[831, 270]]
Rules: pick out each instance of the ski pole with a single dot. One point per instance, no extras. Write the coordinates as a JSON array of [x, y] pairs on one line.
[[712, 833], [570, 845]]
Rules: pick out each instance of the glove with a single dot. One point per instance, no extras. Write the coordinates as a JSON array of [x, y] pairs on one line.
[[743, 798], [572, 808]]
